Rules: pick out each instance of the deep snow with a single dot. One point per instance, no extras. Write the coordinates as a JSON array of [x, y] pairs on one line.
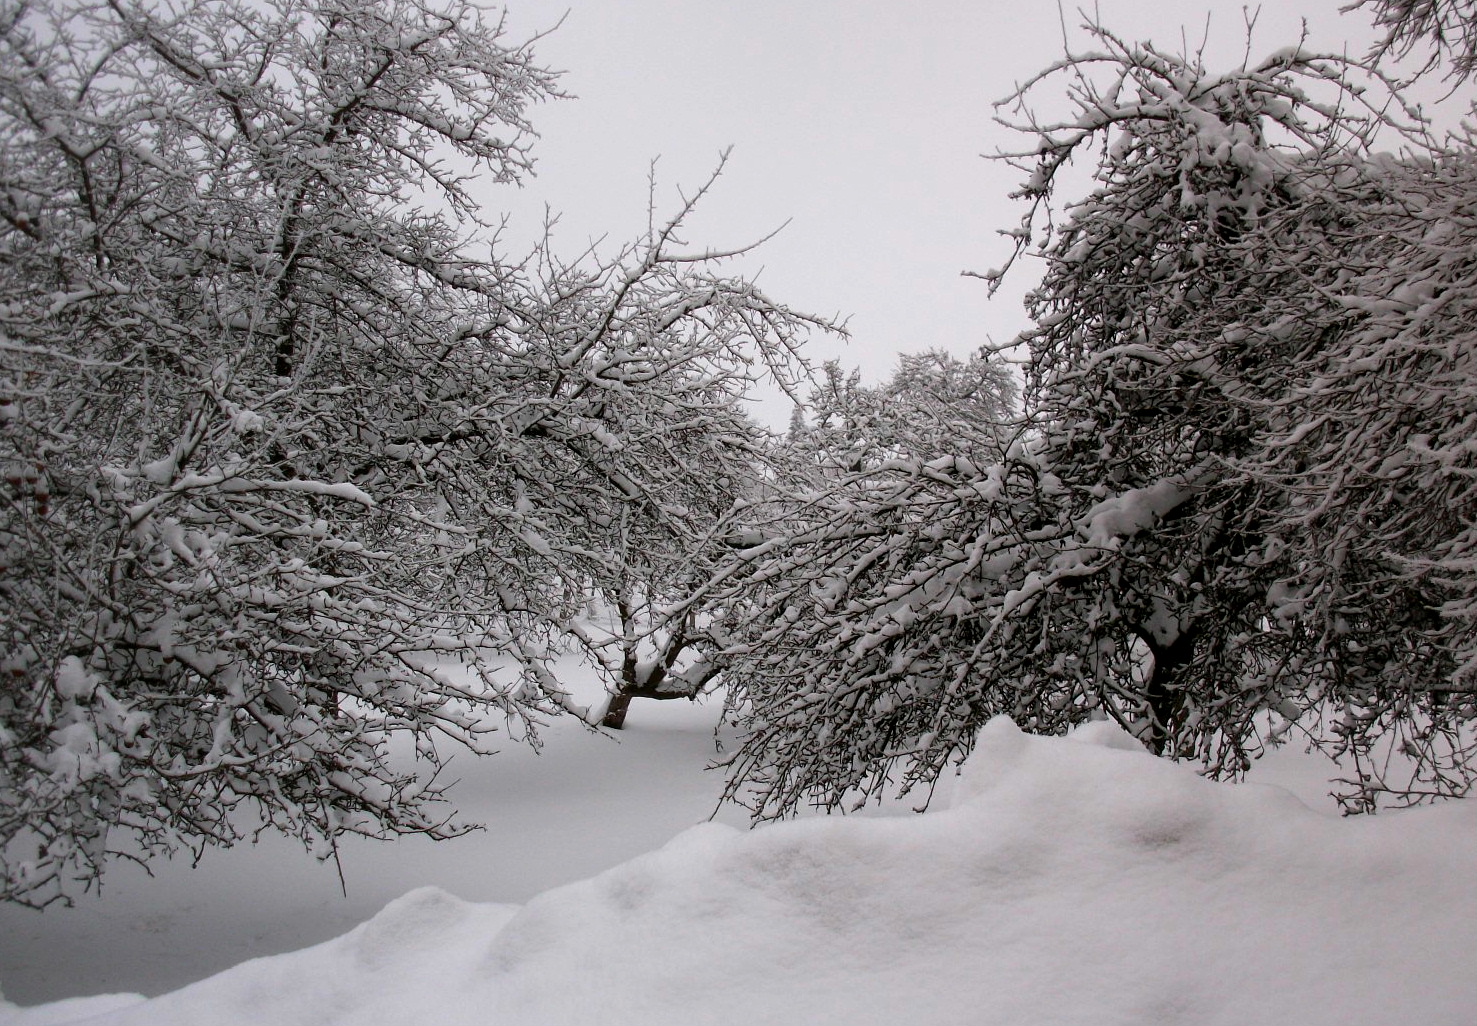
[[1059, 881]]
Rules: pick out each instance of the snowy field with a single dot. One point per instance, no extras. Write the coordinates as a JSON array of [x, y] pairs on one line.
[[1056, 881], [586, 803]]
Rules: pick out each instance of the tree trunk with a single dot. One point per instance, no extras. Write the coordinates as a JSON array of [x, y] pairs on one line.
[[1165, 692], [615, 714]]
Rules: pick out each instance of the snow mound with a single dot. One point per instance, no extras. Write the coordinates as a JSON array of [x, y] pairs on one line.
[[1069, 881]]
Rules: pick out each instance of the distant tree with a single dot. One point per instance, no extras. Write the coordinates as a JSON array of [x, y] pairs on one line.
[[932, 403], [287, 470], [1239, 502], [637, 496], [941, 401]]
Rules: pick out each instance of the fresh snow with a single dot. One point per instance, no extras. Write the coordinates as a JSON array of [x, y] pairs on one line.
[[1074, 880]]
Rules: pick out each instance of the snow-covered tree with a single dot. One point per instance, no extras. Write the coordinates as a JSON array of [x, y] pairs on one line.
[[932, 403], [1368, 451], [289, 469], [1193, 311], [645, 456], [842, 599], [1239, 503]]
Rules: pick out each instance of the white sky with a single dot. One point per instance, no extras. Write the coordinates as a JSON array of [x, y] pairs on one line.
[[861, 122]]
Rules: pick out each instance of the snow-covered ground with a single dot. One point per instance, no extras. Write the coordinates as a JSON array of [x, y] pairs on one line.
[[588, 802], [1056, 881]]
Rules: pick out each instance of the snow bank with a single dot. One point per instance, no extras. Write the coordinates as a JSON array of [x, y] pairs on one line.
[[1067, 881]]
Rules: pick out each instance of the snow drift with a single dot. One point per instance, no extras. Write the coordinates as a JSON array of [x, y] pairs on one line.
[[1059, 881]]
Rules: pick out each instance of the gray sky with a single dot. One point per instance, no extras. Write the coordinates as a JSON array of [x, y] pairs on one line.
[[861, 122]]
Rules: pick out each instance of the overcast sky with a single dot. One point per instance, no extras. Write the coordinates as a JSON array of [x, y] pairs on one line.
[[863, 123]]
